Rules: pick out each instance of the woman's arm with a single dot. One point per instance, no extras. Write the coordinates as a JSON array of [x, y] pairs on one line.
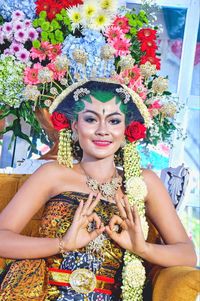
[[177, 248], [27, 201], [48, 181]]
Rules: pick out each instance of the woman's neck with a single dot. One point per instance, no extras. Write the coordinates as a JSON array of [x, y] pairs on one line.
[[100, 169]]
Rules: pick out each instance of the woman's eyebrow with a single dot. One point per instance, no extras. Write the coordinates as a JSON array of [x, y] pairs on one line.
[[111, 114]]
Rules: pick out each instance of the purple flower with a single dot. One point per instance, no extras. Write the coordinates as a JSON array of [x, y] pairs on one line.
[[32, 34], [27, 23], [18, 15], [20, 36], [16, 47], [23, 55], [1, 35], [17, 25], [7, 28], [7, 52]]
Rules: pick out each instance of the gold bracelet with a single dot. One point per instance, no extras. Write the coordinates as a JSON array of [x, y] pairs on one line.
[[61, 246]]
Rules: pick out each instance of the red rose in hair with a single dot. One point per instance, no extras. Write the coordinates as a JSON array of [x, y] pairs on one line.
[[135, 131], [59, 121]]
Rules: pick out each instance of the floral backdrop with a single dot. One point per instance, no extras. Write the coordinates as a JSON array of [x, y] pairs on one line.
[[45, 46]]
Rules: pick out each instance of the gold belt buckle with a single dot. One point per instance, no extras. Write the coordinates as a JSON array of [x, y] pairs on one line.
[[83, 281]]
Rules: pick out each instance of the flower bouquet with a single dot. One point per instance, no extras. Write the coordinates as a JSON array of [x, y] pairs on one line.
[[48, 45]]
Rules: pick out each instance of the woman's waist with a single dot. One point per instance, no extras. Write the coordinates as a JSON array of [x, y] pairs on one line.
[[108, 266]]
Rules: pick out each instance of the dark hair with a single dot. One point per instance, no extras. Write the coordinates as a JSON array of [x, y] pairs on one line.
[[103, 91]]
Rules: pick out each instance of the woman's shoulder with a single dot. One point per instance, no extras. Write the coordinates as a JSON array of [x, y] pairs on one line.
[[151, 179]]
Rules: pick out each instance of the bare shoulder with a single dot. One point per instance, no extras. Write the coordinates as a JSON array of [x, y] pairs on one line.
[[151, 179], [48, 177]]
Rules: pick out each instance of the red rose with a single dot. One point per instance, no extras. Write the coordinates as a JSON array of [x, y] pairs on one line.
[[135, 131], [59, 121]]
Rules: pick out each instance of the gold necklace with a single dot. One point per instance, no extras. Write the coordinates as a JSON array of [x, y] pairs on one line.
[[107, 189]]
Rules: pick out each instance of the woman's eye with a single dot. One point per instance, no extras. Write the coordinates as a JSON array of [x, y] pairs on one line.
[[115, 121], [90, 119]]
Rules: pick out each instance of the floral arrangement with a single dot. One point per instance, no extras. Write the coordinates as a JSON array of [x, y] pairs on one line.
[[57, 44]]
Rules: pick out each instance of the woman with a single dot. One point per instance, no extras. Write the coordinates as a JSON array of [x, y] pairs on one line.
[[93, 228]]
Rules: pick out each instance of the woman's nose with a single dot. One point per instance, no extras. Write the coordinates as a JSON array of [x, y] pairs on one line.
[[102, 129]]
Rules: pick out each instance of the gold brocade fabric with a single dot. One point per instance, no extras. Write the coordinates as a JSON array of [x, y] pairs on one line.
[[30, 277]]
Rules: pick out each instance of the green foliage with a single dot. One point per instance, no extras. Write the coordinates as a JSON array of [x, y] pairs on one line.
[[54, 31]]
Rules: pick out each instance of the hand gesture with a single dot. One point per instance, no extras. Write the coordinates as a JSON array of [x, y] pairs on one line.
[[131, 236], [77, 236]]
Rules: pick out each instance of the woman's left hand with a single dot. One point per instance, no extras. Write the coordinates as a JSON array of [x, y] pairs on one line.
[[131, 235]]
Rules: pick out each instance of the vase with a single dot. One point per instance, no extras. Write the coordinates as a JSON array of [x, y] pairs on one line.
[[43, 117]]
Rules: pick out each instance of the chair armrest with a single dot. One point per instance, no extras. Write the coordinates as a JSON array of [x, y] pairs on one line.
[[180, 283]]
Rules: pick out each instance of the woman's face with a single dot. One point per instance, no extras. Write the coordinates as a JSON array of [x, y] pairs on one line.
[[100, 128]]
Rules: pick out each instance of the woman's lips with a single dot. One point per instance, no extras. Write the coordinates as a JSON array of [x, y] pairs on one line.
[[102, 143]]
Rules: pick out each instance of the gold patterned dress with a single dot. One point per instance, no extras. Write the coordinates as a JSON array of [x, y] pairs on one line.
[[92, 273]]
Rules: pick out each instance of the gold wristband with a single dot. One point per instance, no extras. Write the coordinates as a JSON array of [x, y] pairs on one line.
[[61, 246]]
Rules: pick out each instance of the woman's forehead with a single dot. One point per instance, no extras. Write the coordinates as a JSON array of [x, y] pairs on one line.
[[102, 107]]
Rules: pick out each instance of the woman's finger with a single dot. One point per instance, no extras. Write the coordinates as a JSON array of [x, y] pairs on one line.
[[93, 204], [113, 234], [94, 217], [117, 220], [128, 209], [135, 215], [87, 204], [121, 209], [78, 211], [94, 234]]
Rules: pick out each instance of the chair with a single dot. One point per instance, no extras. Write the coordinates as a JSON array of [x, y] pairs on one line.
[[165, 284], [176, 181]]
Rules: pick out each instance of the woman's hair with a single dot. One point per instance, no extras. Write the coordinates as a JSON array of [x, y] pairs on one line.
[[73, 102]]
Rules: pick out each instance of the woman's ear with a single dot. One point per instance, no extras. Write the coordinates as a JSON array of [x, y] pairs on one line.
[[74, 126]]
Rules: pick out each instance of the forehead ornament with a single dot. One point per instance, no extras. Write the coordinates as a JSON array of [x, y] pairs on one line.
[[123, 94], [80, 93]]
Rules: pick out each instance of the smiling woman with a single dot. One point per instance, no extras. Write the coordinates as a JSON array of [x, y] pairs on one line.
[[92, 238]]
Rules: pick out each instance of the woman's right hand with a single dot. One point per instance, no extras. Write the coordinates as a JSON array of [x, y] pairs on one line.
[[77, 236]]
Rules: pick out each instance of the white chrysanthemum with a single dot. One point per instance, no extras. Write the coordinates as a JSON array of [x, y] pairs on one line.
[[136, 187], [134, 273], [75, 15], [109, 5], [89, 10], [100, 21]]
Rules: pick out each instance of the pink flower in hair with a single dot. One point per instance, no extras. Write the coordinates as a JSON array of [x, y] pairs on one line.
[[57, 74], [113, 32], [122, 23], [121, 46], [38, 54], [138, 87], [31, 74], [53, 51]]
